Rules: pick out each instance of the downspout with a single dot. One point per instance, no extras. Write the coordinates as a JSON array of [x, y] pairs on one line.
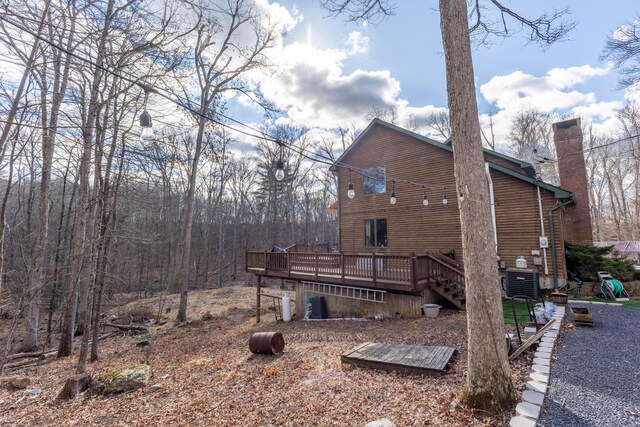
[[493, 206], [554, 263], [339, 212], [544, 250]]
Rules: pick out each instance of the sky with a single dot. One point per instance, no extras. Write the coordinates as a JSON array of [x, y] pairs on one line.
[[331, 72]]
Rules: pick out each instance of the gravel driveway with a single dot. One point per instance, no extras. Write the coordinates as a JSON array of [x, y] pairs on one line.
[[595, 380]]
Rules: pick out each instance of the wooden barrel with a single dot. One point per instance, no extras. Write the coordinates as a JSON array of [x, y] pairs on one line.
[[266, 343]]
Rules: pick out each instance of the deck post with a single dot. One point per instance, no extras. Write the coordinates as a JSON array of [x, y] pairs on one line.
[[342, 265], [373, 268], [316, 264], [412, 269], [288, 255], [258, 299], [265, 261]]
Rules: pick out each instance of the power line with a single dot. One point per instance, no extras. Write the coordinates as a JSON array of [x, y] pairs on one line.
[[318, 158], [608, 144]]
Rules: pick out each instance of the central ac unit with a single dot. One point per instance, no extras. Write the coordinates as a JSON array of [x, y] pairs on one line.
[[520, 283]]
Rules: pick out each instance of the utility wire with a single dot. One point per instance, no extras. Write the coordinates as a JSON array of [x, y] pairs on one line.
[[608, 144], [318, 158]]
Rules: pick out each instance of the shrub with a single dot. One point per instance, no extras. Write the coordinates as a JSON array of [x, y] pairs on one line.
[[585, 261]]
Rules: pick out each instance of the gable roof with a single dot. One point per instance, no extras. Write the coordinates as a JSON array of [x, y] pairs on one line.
[[528, 167], [559, 193]]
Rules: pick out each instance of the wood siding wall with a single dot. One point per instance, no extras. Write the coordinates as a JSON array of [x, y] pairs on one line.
[[412, 227]]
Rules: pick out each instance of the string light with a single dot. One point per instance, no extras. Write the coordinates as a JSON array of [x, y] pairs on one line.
[[425, 199], [463, 192], [444, 197], [393, 199], [146, 125], [351, 192], [280, 164]]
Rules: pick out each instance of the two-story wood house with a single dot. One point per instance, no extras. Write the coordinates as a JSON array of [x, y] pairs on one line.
[[399, 227]]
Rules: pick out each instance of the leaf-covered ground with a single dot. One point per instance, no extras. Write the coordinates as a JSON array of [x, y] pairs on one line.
[[208, 377]]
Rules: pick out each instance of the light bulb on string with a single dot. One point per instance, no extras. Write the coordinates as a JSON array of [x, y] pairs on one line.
[[444, 198], [393, 199], [425, 199], [350, 192], [280, 163], [279, 170], [464, 190], [146, 124]]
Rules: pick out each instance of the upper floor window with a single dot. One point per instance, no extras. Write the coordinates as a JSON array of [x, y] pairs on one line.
[[374, 179]]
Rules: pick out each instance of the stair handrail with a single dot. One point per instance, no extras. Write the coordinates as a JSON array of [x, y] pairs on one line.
[[446, 264], [447, 260]]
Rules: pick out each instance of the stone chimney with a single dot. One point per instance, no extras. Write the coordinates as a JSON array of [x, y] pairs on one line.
[[567, 136]]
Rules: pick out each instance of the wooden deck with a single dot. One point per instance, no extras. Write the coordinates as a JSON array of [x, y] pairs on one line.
[[416, 359], [407, 273]]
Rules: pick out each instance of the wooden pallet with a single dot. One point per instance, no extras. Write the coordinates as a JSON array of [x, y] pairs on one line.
[[417, 359]]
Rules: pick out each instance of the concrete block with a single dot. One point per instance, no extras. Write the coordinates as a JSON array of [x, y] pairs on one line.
[[533, 397], [544, 350], [522, 422], [537, 376], [537, 386], [539, 354], [545, 356], [540, 368], [528, 410], [541, 361]]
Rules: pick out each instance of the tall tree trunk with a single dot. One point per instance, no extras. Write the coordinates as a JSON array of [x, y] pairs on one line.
[[83, 206], [187, 225], [37, 272], [489, 384]]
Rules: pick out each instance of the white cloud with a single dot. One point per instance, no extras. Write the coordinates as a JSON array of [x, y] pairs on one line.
[[547, 93], [626, 32], [632, 93], [357, 43], [557, 92], [313, 89], [283, 19]]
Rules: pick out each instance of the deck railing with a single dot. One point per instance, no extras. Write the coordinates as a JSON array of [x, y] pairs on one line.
[[309, 247], [409, 272]]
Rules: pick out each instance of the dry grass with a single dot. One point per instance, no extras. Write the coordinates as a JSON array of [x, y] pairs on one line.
[[209, 377]]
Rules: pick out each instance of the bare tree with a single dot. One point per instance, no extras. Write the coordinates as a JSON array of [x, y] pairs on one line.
[[623, 47], [438, 121], [531, 139], [221, 58]]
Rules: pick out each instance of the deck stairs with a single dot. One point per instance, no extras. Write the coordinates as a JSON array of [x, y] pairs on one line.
[[448, 282]]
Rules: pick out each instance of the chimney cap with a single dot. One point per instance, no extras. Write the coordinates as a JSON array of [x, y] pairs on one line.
[[566, 124]]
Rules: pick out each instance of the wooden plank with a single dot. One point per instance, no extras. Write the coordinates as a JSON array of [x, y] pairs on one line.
[[355, 350], [430, 358], [532, 339], [400, 357]]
